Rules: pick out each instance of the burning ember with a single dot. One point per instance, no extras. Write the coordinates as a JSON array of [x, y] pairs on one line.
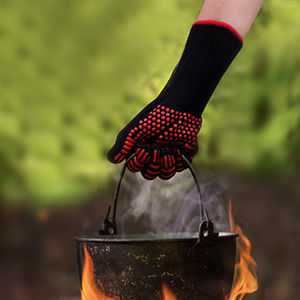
[[245, 280]]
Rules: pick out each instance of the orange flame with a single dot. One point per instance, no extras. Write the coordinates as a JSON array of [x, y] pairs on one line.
[[245, 279], [89, 290], [167, 293]]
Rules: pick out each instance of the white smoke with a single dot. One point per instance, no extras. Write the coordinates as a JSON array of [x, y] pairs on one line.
[[171, 206]]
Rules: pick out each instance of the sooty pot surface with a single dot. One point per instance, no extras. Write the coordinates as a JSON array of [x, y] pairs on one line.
[[196, 265], [135, 266]]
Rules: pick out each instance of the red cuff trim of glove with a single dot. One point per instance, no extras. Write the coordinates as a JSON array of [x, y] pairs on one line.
[[221, 24]]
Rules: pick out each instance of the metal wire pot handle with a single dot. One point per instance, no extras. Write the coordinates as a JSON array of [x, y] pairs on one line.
[[206, 225]]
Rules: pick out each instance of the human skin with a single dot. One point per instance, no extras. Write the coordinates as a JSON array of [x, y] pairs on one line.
[[240, 14]]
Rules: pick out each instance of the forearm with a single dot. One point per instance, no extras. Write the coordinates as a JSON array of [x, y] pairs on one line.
[[240, 14]]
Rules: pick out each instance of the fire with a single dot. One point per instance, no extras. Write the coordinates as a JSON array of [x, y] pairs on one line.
[[245, 279], [89, 289], [168, 295]]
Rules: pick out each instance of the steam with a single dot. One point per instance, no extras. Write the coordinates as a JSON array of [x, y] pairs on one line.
[[171, 206]]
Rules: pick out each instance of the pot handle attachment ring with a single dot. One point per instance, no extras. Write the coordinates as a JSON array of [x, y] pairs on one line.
[[206, 225]]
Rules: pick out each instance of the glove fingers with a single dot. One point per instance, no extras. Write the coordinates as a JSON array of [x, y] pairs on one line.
[[123, 147], [187, 150], [178, 151], [141, 158], [167, 164], [116, 159], [134, 133], [190, 153], [191, 150], [152, 169]]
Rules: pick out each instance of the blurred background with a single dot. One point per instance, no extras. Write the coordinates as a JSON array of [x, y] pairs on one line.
[[73, 73]]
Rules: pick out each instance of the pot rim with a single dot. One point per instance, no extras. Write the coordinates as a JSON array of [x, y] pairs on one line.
[[155, 237]]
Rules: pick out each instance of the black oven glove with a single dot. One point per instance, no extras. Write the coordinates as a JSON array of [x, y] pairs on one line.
[[168, 126]]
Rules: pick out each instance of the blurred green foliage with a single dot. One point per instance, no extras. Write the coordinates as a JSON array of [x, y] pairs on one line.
[[74, 72]]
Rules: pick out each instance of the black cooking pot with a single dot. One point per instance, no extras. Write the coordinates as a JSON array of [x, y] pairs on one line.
[[197, 265]]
